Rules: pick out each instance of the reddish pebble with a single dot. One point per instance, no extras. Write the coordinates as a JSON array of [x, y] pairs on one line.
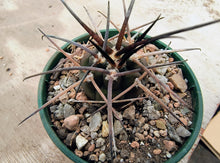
[[78, 153], [135, 144], [157, 151], [169, 145], [185, 122], [91, 148]]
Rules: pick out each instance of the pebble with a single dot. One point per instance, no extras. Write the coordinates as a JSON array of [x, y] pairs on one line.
[[123, 136], [62, 133], [68, 110], [59, 113], [135, 144], [178, 82], [93, 157], [117, 127], [146, 127], [145, 133], [162, 78], [95, 122], [172, 119], [129, 113], [85, 129], [102, 157], [140, 136], [64, 98], [141, 121], [185, 122], [161, 124], [91, 148], [124, 153], [156, 151], [157, 134], [168, 154], [185, 110], [152, 122], [69, 139], [163, 133], [105, 129], [152, 113], [94, 135], [100, 142], [71, 122], [173, 134], [78, 153], [169, 145], [81, 142], [53, 108], [183, 132]]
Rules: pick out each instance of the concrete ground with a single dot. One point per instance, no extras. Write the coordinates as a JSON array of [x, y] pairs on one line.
[[23, 53]]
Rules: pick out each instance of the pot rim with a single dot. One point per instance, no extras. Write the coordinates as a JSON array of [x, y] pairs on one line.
[[188, 73]]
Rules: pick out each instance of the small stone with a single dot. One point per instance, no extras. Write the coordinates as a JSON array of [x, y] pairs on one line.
[[100, 142], [184, 120], [166, 99], [129, 113], [161, 124], [173, 134], [57, 124], [124, 153], [102, 157], [146, 127], [169, 145], [81, 141], [81, 96], [123, 136], [184, 111], [168, 154], [71, 122], [139, 136], [156, 151], [141, 121], [95, 122], [135, 144], [178, 82], [93, 157], [69, 139], [85, 129], [68, 110], [91, 148], [117, 127], [62, 133], [59, 113], [56, 87], [152, 113], [183, 132], [105, 130], [86, 153], [157, 134], [94, 135], [53, 108], [172, 119], [152, 122], [145, 133], [162, 78], [163, 133], [64, 98], [78, 153]]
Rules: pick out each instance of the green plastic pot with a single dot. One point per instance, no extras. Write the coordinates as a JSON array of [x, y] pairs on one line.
[[192, 85]]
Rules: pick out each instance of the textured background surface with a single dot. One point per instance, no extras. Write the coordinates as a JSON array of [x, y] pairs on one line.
[[25, 53]]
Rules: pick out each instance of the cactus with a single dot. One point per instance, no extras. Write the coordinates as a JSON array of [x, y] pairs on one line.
[[111, 67]]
